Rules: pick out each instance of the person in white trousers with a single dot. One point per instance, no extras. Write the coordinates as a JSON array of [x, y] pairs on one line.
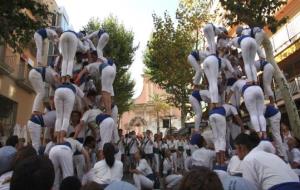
[[212, 67], [64, 99], [107, 128], [41, 38], [35, 125], [195, 100], [254, 102], [38, 77], [142, 175], [195, 59], [249, 47], [103, 38], [217, 120], [258, 34], [61, 156], [268, 73], [210, 32]]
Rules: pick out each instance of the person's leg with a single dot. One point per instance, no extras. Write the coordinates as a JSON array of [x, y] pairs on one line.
[[260, 110], [107, 79], [210, 37], [193, 62], [146, 182], [39, 48], [66, 161], [221, 127], [198, 112], [37, 84], [35, 134], [275, 130], [213, 123], [137, 181], [267, 82], [72, 43], [248, 46], [103, 40], [58, 102], [250, 103], [45, 52], [68, 104], [211, 69], [79, 163], [53, 156], [64, 47]]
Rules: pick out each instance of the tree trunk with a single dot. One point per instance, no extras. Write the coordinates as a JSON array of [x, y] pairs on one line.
[[284, 89], [157, 121]]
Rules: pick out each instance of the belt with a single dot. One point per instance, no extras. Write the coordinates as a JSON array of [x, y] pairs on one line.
[[241, 39], [38, 119], [42, 71]]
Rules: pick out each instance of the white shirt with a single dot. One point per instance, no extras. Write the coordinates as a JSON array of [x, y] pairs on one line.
[[266, 170], [230, 110], [203, 157], [148, 146], [75, 144], [144, 167], [103, 174], [238, 85], [3, 178], [90, 116], [93, 69], [51, 34], [295, 155], [172, 145], [50, 75], [133, 145], [188, 163], [49, 118], [167, 166], [205, 96], [48, 147], [120, 144]]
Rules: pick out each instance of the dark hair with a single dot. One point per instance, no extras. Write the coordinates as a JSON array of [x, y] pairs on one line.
[[201, 178], [12, 141], [33, 173], [142, 153], [109, 154], [91, 93], [23, 153], [94, 53], [72, 134], [70, 183], [92, 186], [88, 140], [250, 141]]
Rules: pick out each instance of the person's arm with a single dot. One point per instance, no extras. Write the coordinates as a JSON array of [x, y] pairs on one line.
[[78, 128], [92, 35], [87, 159], [81, 73], [239, 122], [228, 96], [249, 173]]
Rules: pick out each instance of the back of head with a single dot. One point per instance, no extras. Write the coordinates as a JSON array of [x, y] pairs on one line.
[[198, 140], [92, 186], [33, 173], [201, 178], [12, 141], [250, 141], [109, 154], [70, 182], [23, 153]]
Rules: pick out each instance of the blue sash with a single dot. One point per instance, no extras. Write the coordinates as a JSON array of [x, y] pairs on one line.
[[270, 111], [69, 86], [286, 186], [241, 38], [72, 32], [219, 60], [42, 71], [66, 144], [101, 31], [43, 33], [151, 177], [101, 117], [263, 64], [196, 94], [230, 81], [252, 33], [102, 66], [218, 110], [246, 86], [195, 54], [38, 119]]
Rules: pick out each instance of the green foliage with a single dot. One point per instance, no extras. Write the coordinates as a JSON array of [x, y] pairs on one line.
[[121, 49], [17, 26], [254, 12]]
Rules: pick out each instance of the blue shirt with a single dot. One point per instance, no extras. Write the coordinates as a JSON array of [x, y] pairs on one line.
[[7, 155]]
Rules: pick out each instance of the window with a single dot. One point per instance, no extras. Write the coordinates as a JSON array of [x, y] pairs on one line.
[[8, 113]]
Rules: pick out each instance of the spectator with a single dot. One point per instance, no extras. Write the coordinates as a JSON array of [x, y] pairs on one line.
[[33, 173], [294, 152], [70, 183], [8, 153], [92, 186]]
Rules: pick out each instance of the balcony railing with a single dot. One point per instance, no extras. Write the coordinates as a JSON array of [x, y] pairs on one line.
[[22, 77], [294, 85]]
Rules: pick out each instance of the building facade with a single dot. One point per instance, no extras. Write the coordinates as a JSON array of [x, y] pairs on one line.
[[143, 116]]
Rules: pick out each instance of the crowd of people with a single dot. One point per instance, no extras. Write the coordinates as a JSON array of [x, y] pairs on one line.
[[76, 143]]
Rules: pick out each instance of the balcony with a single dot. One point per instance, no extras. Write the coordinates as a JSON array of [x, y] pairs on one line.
[[294, 85], [5, 64], [22, 76]]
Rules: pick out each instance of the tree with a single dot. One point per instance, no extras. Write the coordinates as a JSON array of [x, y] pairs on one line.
[[160, 105], [19, 20], [121, 49], [261, 13]]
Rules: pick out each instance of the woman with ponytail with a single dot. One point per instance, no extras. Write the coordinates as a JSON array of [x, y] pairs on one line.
[[108, 170]]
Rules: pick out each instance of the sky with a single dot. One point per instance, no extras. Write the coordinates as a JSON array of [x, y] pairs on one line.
[[136, 15]]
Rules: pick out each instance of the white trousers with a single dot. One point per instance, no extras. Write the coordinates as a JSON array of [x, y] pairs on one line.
[[211, 70], [249, 48], [64, 99], [259, 38], [196, 66], [275, 130], [218, 125], [267, 80], [142, 181], [107, 128], [107, 79], [68, 45], [103, 40], [38, 85], [35, 134], [209, 34], [173, 180], [61, 157], [235, 99], [254, 101], [156, 162], [42, 47], [174, 160], [79, 164], [197, 109]]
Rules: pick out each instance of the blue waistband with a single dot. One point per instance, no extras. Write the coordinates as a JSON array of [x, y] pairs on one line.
[[196, 94], [41, 70], [38, 119], [286, 186], [43, 33], [270, 111], [101, 117], [72, 32], [69, 86], [66, 144], [151, 177], [246, 86], [195, 54], [241, 38], [263, 64], [219, 60], [230, 81], [101, 31], [218, 110]]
